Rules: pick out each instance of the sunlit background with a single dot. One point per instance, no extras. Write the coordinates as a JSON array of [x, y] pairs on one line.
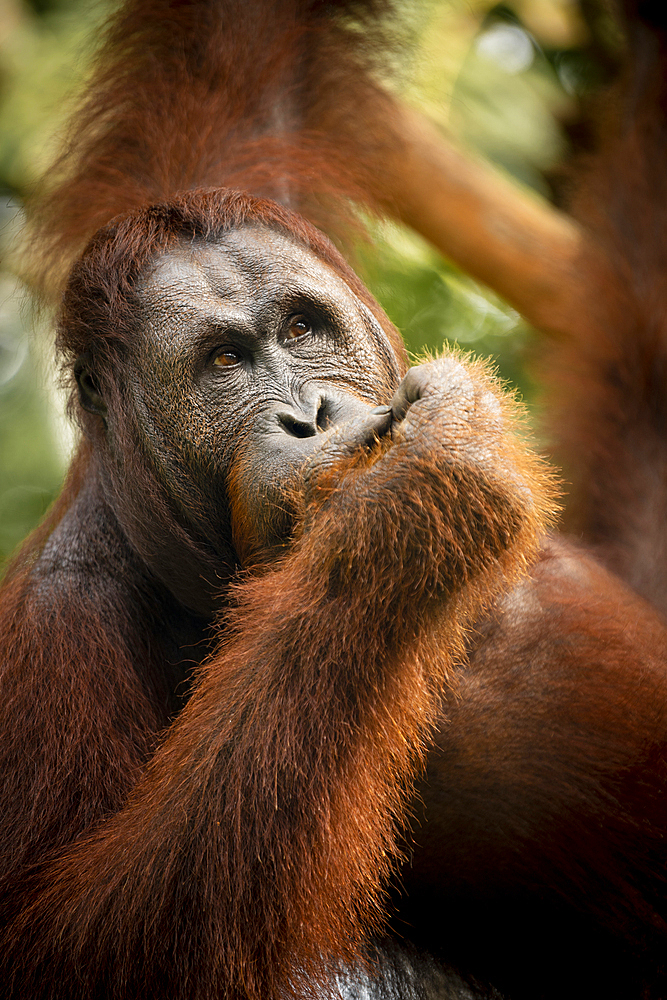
[[501, 78]]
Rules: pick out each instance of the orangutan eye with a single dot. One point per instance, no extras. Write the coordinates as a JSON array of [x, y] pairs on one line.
[[299, 326], [227, 357]]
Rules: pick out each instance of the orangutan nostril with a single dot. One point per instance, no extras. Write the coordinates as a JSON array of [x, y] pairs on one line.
[[295, 427], [323, 418]]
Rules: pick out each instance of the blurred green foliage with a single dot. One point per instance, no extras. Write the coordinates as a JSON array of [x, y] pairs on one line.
[[483, 74], [32, 450], [30, 459], [45, 49], [434, 304]]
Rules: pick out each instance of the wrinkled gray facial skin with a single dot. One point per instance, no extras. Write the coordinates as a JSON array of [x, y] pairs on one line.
[[250, 352]]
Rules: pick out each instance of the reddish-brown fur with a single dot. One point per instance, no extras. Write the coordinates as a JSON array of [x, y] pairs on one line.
[[274, 98], [250, 849], [230, 831], [607, 407]]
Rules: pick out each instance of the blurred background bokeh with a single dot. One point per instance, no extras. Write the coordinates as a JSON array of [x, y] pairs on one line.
[[503, 79]]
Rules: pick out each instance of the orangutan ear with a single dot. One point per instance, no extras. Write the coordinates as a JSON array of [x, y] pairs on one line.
[[89, 394]]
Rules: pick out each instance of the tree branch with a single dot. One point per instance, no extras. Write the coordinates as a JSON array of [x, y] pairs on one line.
[[538, 258]]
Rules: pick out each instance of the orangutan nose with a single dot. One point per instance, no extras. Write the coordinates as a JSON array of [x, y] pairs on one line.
[[319, 412]]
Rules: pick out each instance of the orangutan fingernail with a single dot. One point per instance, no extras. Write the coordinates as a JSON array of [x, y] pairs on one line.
[[379, 411]]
